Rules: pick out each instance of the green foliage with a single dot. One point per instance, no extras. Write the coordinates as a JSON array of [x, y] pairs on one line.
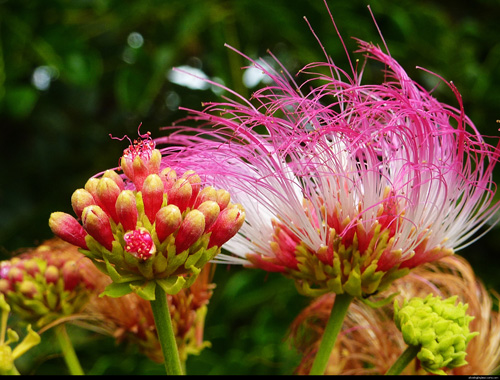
[[93, 80]]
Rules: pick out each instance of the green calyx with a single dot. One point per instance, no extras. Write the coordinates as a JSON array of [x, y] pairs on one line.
[[440, 327]]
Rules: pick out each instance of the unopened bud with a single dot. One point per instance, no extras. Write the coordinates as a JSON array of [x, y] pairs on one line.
[[68, 229], [210, 210], [108, 191], [115, 177], [126, 210], [28, 288], [180, 194], [195, 182], [223, 198], [96, 223], [168, 176], [152, 195], [227, 225], [71, 275], [51, 274], [168, 220], [208, 193], [190, 231], [80, 199]]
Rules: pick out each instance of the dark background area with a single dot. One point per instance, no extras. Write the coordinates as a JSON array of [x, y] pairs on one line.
[[73, 72]]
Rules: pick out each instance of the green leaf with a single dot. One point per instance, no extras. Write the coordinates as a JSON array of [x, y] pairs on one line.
[[116, 290]]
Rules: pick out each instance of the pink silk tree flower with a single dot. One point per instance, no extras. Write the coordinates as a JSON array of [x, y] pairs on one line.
[[346, 186]]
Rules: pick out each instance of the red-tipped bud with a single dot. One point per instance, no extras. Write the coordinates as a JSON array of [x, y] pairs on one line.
[[180, 194], [80, 199], [28, 288], [168, 220], [51, 274], [96, 223], [208, 193], [108, 191], [152, 195], [115, 177], [210, 210], [139, 243], [168, 176], [195, 182], [31, 267], [15, 274], [68, 229], [126, 210], [71, 275], [227, 225], [190, 231], [223, 198], [91, 187], [4, 285]]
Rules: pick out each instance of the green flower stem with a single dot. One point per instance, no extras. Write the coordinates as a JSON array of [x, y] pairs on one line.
[[165, 331], [333, 326], [68, 351], [402, 362]]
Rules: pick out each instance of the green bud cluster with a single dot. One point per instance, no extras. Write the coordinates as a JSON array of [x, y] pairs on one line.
[[41, 291], [439, 327]]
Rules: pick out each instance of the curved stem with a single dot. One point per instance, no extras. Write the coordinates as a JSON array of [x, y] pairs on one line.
[[333, 326], [402, 362], [163, 323], [68, 351]]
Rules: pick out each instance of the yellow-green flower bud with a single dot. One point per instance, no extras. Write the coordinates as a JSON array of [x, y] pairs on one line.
[[439, 327]]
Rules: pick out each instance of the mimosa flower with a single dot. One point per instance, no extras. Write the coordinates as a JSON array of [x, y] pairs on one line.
[[46, 283], [347, 186], [370, 340], [129, 319], [149, 226]]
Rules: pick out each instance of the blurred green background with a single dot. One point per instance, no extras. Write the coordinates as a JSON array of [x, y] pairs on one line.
[[73, 72]]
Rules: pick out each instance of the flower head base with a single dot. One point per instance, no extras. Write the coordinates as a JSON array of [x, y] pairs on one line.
[[151, 226], [439, 327], [47, 283]]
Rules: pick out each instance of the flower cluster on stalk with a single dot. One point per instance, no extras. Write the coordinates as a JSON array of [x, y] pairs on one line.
[[150, 225], [48, 282]]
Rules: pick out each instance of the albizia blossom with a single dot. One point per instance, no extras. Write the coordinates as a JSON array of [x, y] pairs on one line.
[[370, 341], [346, 186]]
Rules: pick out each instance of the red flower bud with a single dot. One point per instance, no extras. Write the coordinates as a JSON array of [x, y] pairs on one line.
[[168, 220], [210, 210], [140, 160], [208, 193], [180, 194], [108, 191], [152, 196], [190, 231], [80, 199], [51, 274], [195, 182], [126, 210], [227, 225], [68, 229], [223, 198], [96, 223], [115, 177], [71, 275]]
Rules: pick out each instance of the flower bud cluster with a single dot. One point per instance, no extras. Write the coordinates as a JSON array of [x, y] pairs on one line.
[[439, 327], [151, 224], [46, 284]]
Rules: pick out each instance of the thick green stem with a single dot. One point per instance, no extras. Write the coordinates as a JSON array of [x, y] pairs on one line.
[[68, 351], [333, 326], [402, 362], [163, 323]]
